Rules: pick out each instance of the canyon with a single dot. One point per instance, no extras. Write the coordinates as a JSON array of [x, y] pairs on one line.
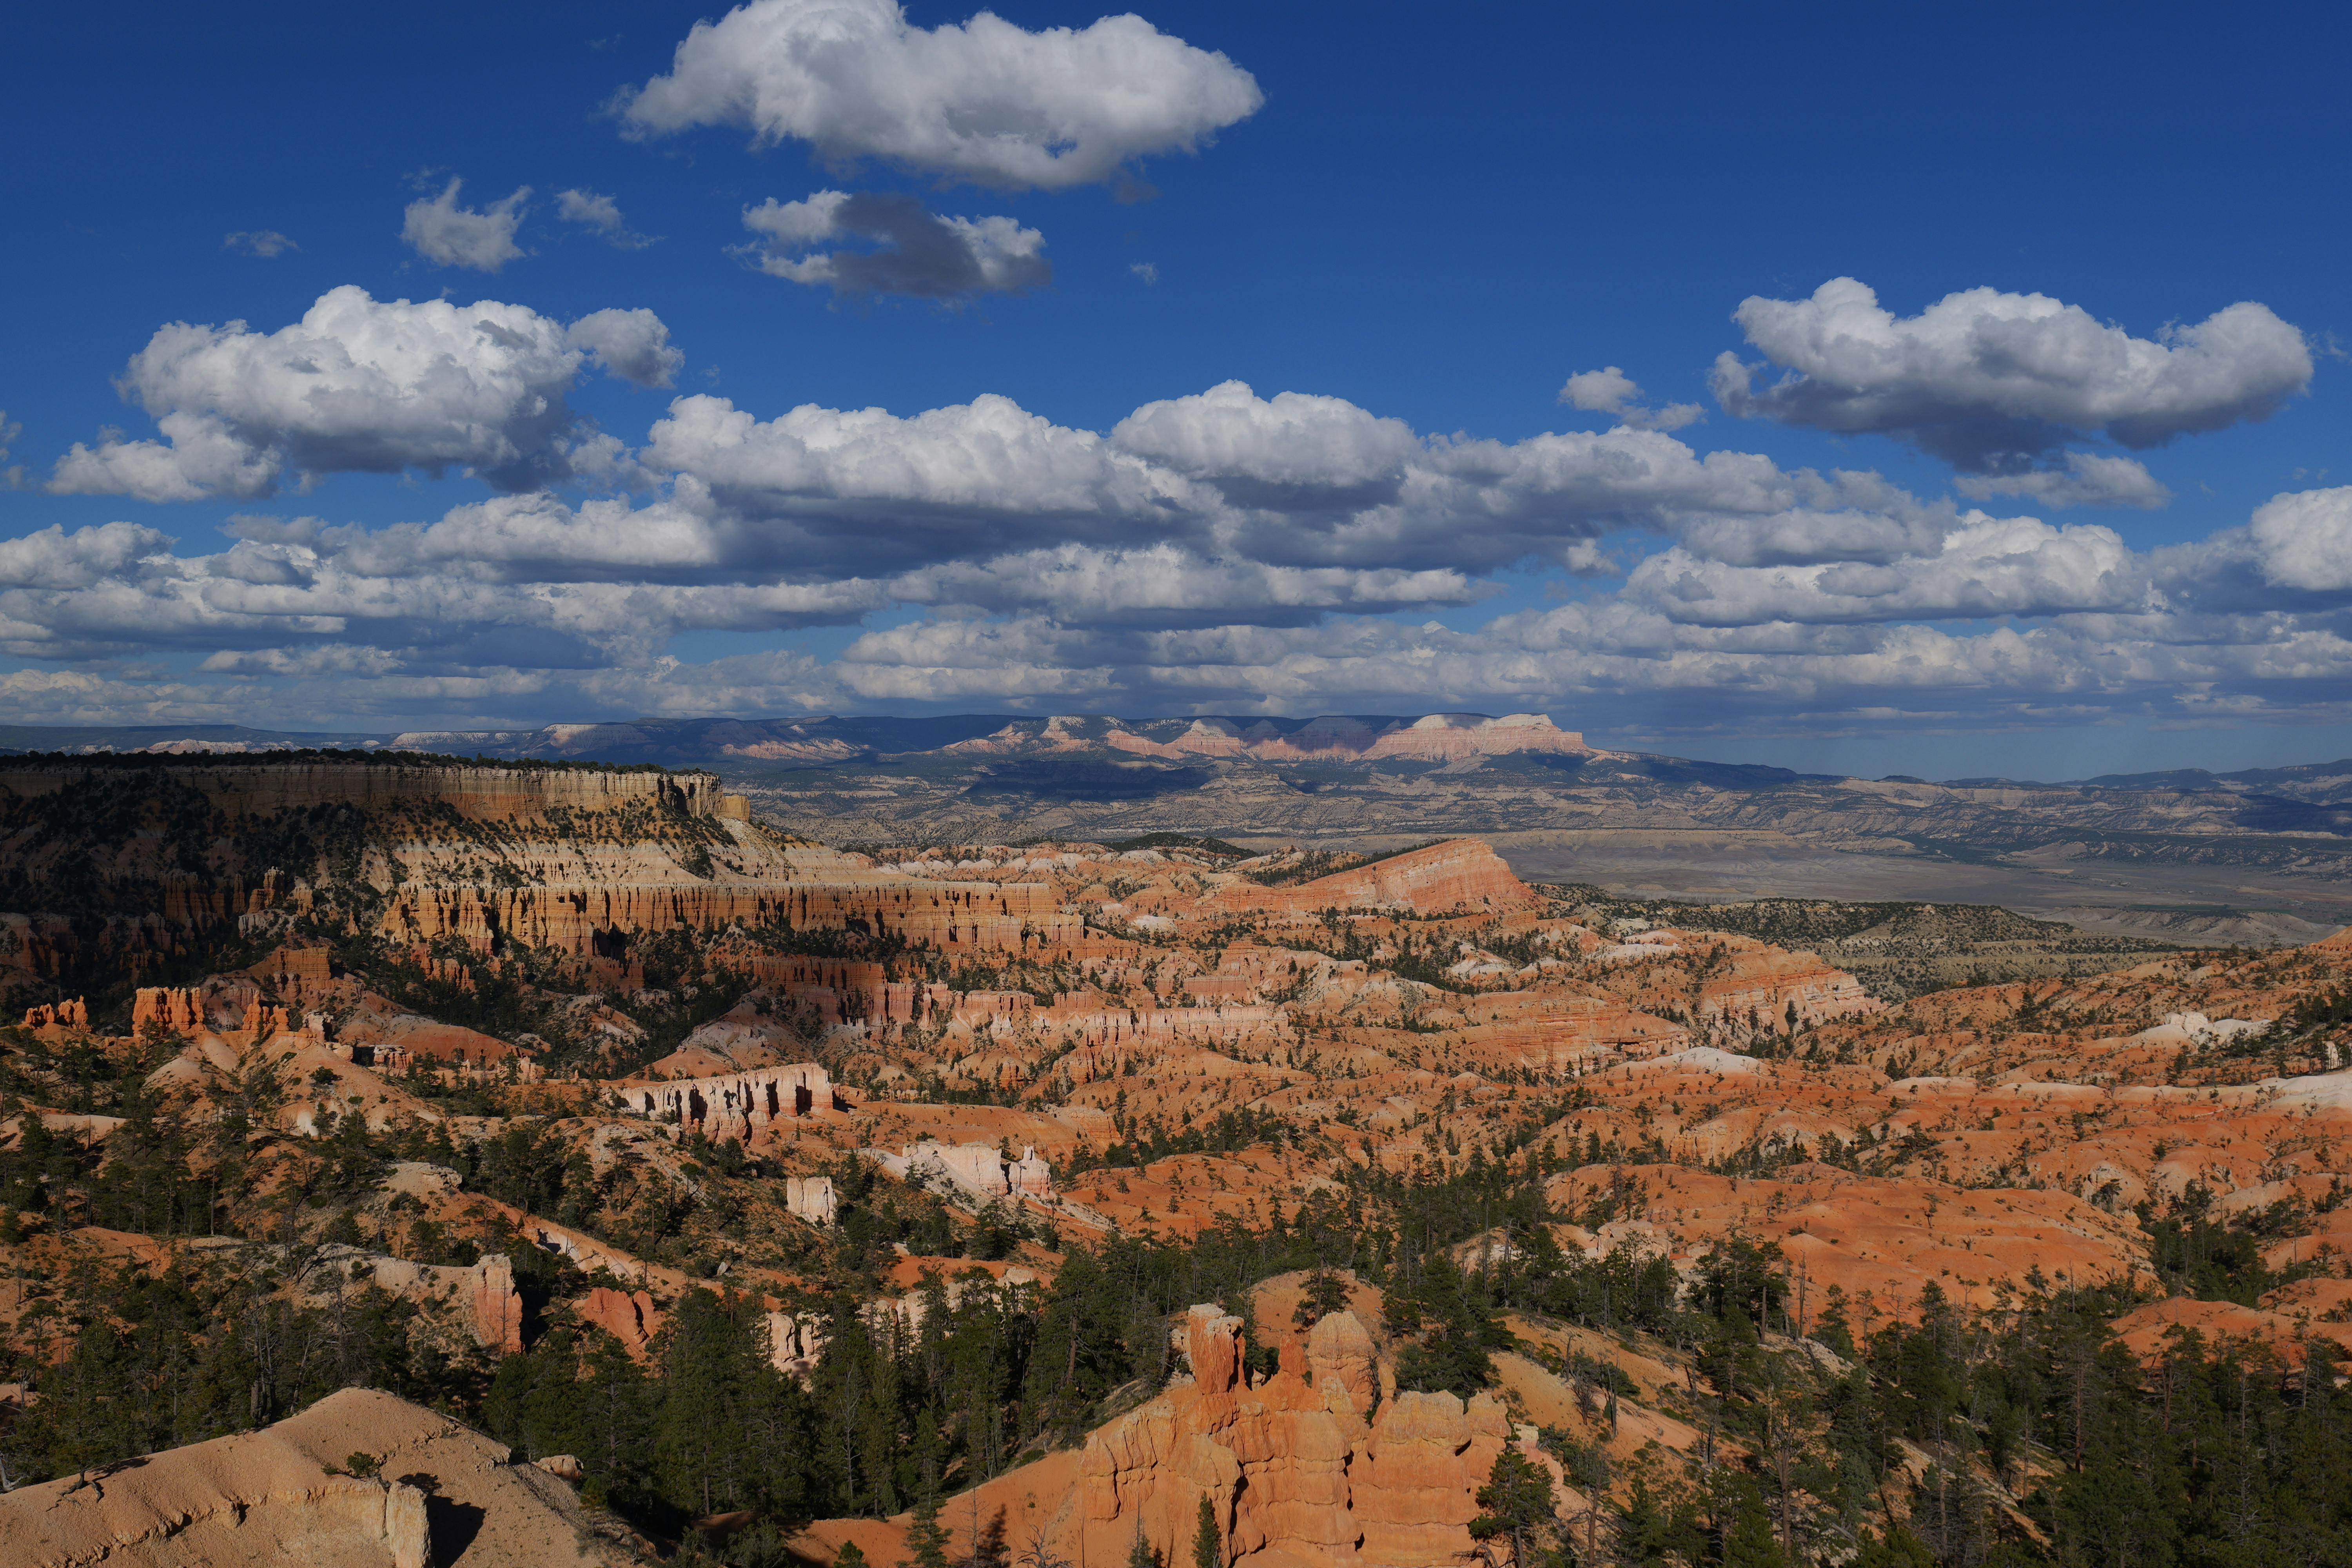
[[581, 1079]]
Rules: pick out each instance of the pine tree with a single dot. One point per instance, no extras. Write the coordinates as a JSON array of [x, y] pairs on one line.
[[926, 1538], [1140, 1554], [1519, 1504], [1898, 1548], [1751, 1543], [1205, 1551], [850, 1556], [1321, 1294]]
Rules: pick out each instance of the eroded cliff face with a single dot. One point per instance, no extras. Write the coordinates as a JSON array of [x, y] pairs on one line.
[[1300, 1469], [167, 857], [573, 895]]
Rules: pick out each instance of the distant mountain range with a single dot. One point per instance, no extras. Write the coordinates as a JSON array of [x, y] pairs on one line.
[[722, 743], [2261, 855], [759, 745]]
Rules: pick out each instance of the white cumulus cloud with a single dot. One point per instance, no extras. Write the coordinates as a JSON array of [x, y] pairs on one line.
[[601, 214], [632, 345], [362, 386], [1295, 480], [2302, 539], [52, 558], [1987, 566], [985, 100], [1165, 584], [867, 485], [1609, 390], [916, 252], [441, 231], [1993, 382], [1293, 445], [2074, 478], [1220, 550]]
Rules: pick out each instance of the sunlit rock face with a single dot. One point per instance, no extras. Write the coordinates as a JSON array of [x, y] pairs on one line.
[[1293, 1467], [283, 1495], [1460, 874]]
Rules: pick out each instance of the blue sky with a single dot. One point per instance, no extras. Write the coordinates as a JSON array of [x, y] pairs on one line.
[[2109, 527]]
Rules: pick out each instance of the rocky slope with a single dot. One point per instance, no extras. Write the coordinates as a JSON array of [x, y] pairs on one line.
[[434, 1494]]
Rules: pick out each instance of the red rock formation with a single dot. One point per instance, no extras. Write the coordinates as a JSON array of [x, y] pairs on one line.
[[68, 1014], [1877, 1238], [1339, 1354], [496, 1307], [296, 971], [1292, 1471], [261, 1020], [406, 1035], [1429, 1456], [950, 917], [811, 1198], [827, 750], [1437, 737], [788, 971], [1206, 737], [735, 1104], [493, 1312], [851, 990], [2149, 1332], [1447, 736], [1459, 874], [629, 1317], [1102, 1036], [977, 1168], [1751, 984], [175, 1008]]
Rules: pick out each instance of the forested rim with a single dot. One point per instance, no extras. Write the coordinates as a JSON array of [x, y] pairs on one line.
[[2023, 1437]]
